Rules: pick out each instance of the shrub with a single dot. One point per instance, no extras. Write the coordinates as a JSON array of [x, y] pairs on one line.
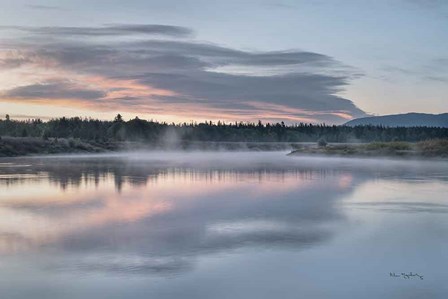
[[322, 142], [434, 147]]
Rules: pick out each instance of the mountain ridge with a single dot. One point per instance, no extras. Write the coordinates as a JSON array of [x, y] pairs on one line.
[[412, 119]]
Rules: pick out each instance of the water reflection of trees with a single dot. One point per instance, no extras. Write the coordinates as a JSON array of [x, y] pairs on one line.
[[167, 240], [212, 223], [79, 173], [171, 239]]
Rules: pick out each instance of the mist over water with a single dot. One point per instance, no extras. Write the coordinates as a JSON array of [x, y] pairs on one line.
[[221, 225]]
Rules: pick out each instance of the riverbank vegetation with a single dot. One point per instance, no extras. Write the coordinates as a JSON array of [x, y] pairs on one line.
[[436, 148], [77, 135], [160, 132]]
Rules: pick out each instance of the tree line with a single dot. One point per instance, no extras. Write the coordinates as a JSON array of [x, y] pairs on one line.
[[151, 131]]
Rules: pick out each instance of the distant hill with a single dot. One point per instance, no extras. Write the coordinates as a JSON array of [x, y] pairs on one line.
[[404, 120]]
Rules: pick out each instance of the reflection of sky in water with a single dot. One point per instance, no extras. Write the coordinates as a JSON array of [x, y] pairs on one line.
[[203, 225]]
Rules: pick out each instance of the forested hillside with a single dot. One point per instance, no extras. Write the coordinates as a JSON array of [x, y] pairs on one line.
[[153, 132]]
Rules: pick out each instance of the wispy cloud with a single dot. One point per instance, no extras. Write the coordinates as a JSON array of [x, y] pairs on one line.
[[45, 7], [435, 70], [177, 77], [107, 30], [53, 90]]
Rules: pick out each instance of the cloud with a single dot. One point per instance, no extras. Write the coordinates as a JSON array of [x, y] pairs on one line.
[[53, 90], [108, 30], [433, 70], [280, 5], [431, 4], [45, 7], [10, 63], [187, 78], [169, 240]]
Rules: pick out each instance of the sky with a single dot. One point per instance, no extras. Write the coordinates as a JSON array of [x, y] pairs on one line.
[[177, 60]]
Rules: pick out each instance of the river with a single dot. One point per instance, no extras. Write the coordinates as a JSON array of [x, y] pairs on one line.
[[222, 225]]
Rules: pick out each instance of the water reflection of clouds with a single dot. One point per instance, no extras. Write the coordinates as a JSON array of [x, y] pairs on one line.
[[418, 195], [163, 218], [157, 217]]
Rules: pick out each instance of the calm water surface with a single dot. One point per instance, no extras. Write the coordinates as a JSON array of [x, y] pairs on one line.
[[222, 225]]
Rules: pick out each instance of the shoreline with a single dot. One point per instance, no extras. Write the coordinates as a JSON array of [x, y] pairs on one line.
[[28, 146], [424, 150]]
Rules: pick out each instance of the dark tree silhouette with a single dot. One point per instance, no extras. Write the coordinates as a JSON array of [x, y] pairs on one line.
[[152, 132]]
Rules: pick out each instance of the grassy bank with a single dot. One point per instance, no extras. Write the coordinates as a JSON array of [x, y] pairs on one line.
[[22, 146], [437, 148]]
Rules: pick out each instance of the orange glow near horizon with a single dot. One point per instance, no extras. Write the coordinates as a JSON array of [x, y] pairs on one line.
[[176, 113], [89, 206], [131, 98]]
